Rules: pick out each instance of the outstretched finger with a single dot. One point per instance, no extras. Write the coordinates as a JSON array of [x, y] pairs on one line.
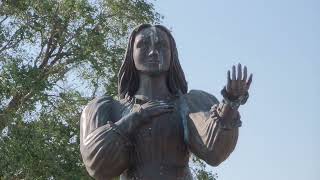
[[233, 72], [228, 80], [239, 72], [245, 74], [249, 81], [164, 106], [158, 112], [152, 104]]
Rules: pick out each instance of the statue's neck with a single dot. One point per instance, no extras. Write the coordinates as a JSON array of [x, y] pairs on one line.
[[153, 87]]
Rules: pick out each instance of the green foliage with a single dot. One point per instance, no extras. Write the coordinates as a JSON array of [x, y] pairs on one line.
[[47, 147], [198, 168], [55, 56]]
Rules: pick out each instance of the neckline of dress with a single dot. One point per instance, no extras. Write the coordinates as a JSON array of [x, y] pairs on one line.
[[141, 99]]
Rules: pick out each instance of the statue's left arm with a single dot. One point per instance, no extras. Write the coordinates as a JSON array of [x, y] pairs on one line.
[[213, 127], [211, 137]]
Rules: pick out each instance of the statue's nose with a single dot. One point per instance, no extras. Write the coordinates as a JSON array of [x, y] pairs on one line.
[[153, 53]]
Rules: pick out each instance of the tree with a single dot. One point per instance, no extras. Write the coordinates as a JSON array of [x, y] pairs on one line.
[[55, 56], [41, 42], [198, 168]]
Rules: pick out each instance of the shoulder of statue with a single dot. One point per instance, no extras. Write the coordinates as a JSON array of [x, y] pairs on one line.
[[101, 100], [105, 106], [202, 95], [200, 99]]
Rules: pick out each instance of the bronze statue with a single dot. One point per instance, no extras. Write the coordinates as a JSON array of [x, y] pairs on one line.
[[151, 130]]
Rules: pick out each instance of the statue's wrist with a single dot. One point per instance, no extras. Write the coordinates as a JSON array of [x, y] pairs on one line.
[[233, 102], [129, 123], [120, 131], [225, 110]]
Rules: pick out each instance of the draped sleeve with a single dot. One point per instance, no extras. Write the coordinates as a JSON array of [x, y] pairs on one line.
[[207, 139], [103, 148]]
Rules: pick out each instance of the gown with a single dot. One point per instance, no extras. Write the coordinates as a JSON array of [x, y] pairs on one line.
[[159, 149]]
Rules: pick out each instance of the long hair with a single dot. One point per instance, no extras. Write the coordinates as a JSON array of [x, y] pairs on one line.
[[128, 81]]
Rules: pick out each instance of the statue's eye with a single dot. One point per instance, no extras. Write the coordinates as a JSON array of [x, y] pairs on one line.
[[141, 44], [162, 44]]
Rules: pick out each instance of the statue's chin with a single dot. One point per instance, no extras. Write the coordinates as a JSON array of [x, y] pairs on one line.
[[153, 72]]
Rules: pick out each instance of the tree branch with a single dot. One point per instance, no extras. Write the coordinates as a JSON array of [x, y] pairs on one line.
[[5, 18], [41, 51], [46, 55], [8, 46]]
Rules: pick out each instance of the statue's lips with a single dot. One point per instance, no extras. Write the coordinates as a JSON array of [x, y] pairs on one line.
[[153, 62]]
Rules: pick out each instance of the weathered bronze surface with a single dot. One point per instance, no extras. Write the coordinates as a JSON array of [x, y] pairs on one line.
[[151, 130]]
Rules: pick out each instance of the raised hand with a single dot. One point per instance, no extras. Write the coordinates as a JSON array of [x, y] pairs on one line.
[[237, 83], [151, 109], [156, 108], [143, 114]]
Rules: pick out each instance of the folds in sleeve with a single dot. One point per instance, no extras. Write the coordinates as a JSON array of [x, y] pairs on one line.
[[207, 140], [104, 152]]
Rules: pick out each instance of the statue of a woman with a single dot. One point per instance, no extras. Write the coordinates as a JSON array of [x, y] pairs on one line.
[[151, 130]]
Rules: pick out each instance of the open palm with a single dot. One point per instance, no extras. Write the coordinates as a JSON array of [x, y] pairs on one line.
[[237, 83]]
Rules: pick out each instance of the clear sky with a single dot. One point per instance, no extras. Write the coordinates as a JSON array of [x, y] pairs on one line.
[[279, 41]]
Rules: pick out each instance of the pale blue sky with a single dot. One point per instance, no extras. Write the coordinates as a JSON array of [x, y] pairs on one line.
[[279, 42]]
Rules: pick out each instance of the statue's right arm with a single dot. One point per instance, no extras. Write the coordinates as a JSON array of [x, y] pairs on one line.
[[104, 144]]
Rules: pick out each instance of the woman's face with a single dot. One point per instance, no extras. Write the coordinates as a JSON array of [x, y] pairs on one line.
[[151, 51]]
